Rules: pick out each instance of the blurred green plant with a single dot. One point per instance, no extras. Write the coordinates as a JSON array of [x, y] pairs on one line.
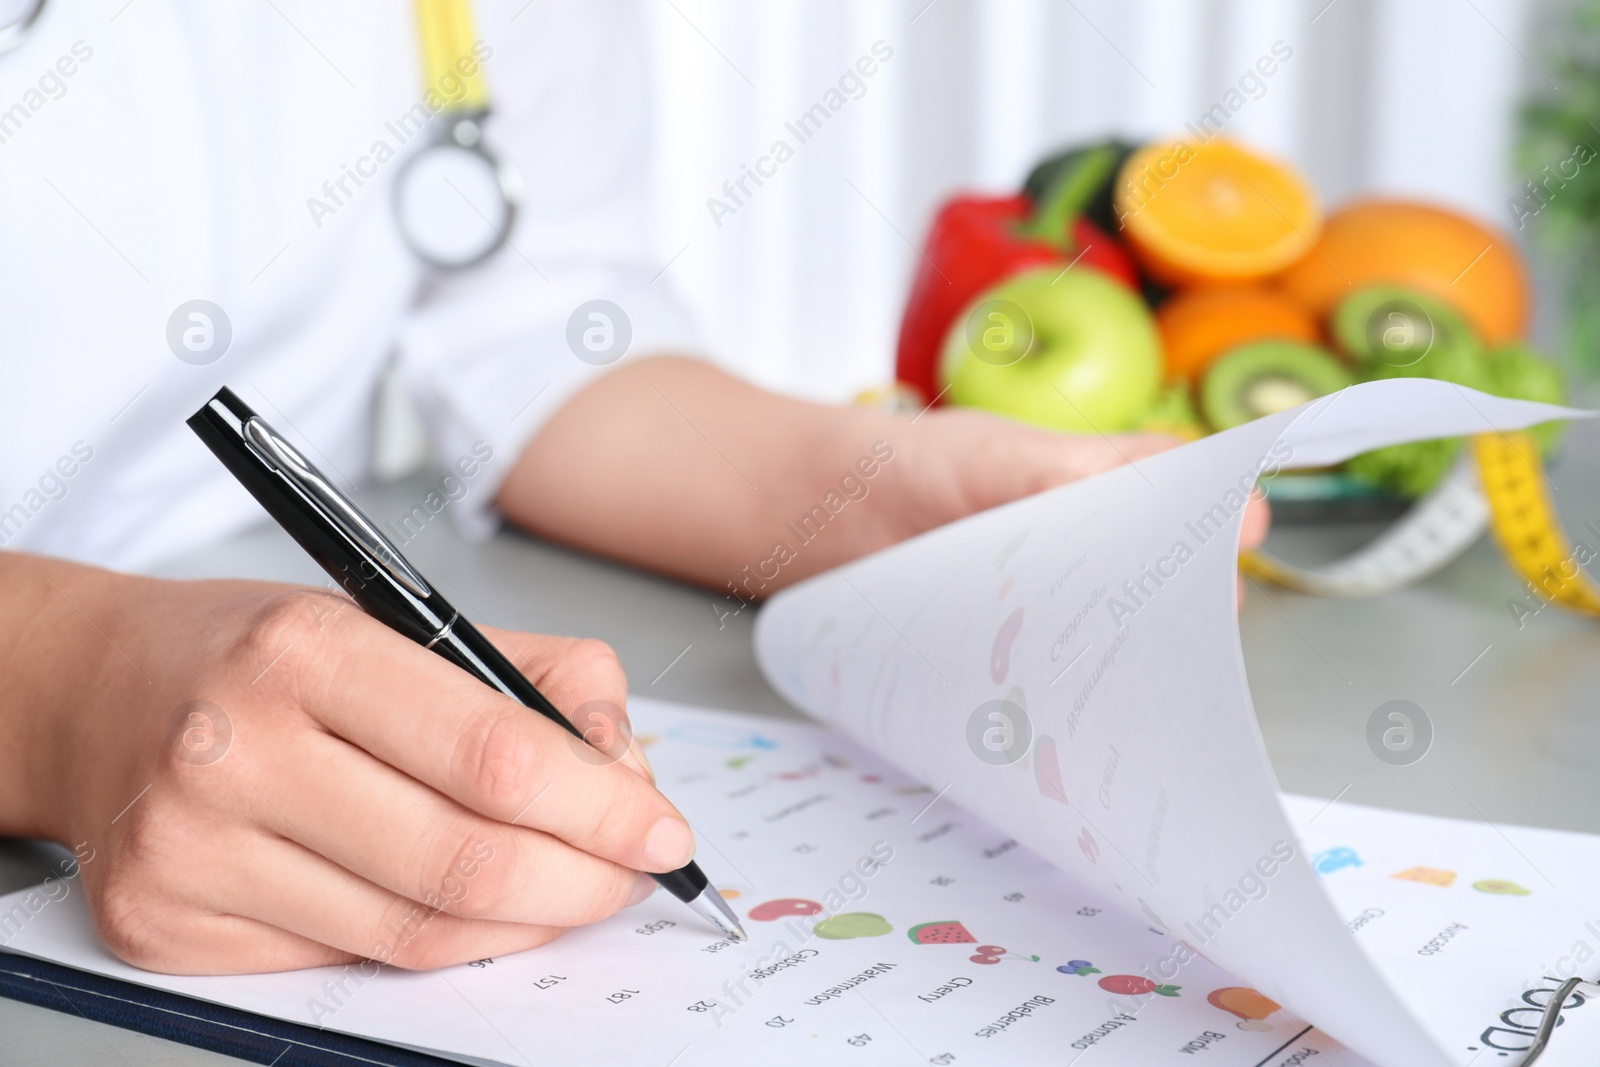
[[1559, 201]]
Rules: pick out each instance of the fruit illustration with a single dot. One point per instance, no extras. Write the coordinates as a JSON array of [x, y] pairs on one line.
[[714, 735], [1047, 769], [1440, 252], [948, 932], [851, 925], [1079, 967], [1265, 378], [774, 910], [1427, 876], [1135, 985], [1335, 859], [1198, 325], [1501, 887], [1000, 656], [1251, 1007], [1009, 548], [1213, 212], [994, 954]]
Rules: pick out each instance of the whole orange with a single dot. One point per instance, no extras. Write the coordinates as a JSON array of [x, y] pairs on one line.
[[1472, 267], [1198, 325]]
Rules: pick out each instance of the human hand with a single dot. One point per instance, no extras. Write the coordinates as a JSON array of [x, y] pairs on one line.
[[958, 461], [291, 784], [699, 474]]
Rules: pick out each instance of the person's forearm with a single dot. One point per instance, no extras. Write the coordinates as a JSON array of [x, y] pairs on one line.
[[53, 647], [673, 464]]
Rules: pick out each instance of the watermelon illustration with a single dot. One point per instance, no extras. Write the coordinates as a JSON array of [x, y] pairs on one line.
[[941, 933]]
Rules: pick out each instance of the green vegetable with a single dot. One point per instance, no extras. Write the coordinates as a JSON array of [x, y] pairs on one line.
[[1518, 372], [1513, 371], [1408, 470], [1097, 205]]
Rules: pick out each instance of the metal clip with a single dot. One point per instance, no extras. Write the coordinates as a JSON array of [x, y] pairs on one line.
[[283, 457], [1551, 1016]]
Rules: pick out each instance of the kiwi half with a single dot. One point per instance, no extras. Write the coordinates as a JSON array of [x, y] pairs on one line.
[[1267, 377], [1398, 327]]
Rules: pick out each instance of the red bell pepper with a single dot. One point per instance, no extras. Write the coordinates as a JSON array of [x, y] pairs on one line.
[[976, 242]]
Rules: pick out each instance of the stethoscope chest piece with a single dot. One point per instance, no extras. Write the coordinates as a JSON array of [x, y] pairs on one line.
[[454, 201]]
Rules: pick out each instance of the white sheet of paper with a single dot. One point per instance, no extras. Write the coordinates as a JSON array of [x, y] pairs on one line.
[[1145, 809], [1105, 609]]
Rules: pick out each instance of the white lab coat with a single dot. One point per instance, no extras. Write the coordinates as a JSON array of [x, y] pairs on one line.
[[172, 150]]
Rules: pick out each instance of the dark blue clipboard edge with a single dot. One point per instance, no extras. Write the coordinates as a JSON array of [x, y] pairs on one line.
[[215, 1027]]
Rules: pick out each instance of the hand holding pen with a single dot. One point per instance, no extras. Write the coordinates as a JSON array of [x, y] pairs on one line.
[[385, 585]]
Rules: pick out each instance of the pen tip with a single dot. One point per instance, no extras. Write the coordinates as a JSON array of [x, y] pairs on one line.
[[714, 909]]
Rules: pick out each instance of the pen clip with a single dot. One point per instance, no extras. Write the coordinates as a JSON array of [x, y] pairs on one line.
[[282, 457]]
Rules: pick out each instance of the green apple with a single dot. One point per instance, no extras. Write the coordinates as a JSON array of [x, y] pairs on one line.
[[1067, 350]]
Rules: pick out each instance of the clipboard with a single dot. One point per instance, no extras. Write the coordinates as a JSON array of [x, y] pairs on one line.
[[214, 1027]]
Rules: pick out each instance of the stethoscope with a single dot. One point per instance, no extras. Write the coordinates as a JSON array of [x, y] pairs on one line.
[[454, 201]]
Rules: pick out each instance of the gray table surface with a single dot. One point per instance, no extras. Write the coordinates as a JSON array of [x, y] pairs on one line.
[[1517, 733]]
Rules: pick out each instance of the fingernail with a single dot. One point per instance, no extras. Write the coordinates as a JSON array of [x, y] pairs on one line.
[[669, 845], [641, 890]]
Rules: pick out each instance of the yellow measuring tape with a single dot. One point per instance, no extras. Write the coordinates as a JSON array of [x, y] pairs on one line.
[[1499, 484], [445, 30], [1525, 522]]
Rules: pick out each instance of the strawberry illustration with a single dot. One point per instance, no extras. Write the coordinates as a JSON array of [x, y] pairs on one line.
[[1133, 985]]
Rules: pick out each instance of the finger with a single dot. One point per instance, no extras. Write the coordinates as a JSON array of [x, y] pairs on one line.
[[1096, 454], [292, 889], [398, 834], [427, 718], [585, 682]]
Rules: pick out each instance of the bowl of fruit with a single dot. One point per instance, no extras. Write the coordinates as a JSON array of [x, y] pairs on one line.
[[1188, 287]]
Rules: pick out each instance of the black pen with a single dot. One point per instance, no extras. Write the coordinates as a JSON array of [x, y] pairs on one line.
[[350, 548]]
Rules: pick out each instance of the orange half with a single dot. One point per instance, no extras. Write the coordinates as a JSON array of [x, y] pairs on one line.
[[1213, 212]]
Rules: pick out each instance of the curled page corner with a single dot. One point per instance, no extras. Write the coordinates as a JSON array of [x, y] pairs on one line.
[[1069, 666]]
